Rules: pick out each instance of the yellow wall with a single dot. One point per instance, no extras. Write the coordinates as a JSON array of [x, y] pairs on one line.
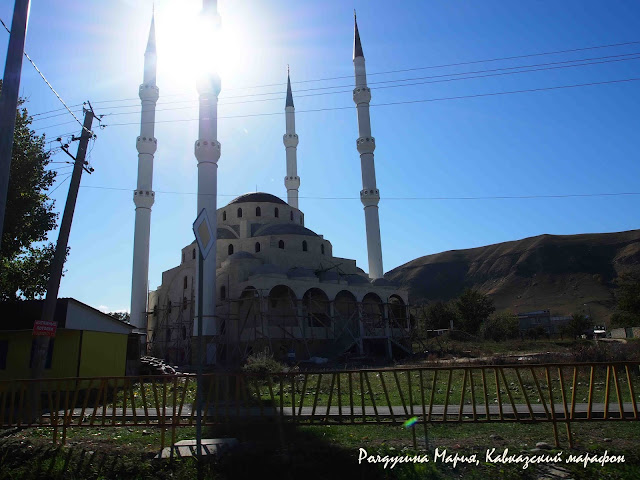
[[64, 362], [103, 354]]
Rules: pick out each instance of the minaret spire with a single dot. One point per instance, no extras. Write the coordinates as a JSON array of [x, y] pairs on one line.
[[143, 196], [290, 139], [366, 144], [207, 153]]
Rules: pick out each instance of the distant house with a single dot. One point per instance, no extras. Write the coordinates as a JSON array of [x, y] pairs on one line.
[[88, 343], [542, 318]]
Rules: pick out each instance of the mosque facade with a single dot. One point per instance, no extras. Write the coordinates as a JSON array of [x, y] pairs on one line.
[[271, 284]]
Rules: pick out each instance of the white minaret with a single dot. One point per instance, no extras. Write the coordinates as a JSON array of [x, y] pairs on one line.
[[207, 152], [366, 144], [143, 197], [290, 139]]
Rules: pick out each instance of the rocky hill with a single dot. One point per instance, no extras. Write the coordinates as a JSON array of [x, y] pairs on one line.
[[563, 273]]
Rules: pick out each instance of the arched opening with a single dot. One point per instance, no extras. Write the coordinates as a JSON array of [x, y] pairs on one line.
[[168, 306], [301, 223], [372, 313], [304, 245], [281, 244], [239, 213], [168, 334], [322, 248], [193, 254], [315, 304], [397, 312], [223, 292], [291, 215], [345, 308], [184, 332], [182, 257], [184, 283], [184, 303], [257, 247], [258, 212], [276, 212], [230, 249], [224, 215], [249, 308], [282, 306]]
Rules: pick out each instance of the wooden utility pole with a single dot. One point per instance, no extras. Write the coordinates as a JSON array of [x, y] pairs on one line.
[[53, 285], [9, 98]]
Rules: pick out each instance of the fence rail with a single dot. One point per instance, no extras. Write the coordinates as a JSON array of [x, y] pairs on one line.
[[555, 393]]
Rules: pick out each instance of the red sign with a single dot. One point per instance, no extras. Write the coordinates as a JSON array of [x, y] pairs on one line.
[[44, 328]]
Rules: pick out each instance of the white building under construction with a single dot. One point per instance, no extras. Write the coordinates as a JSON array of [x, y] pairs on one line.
[[271, 283]]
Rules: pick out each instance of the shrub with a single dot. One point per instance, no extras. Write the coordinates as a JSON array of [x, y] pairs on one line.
[[502, 326], [262, 364]]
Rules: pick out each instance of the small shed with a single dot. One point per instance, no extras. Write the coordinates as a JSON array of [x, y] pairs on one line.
[[87, 343]]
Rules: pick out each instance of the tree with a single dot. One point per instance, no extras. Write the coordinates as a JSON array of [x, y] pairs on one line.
[[24, 257], [577, 325], [441, 315], [122, 316], [502, 326], [473, 308], [628, 301]]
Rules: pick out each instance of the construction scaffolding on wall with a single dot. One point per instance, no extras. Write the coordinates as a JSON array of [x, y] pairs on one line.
[[289, 328], [171, 337], [313, 326]]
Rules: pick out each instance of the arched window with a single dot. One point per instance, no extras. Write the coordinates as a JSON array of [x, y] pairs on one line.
[[304, 245], [257, 247], [281, 244], [168, 334], [223, 292], [224, 215], [322, 248], [258, 212], [276, 212], [230, 249], [184, 283], [239, 213], [184, 303], [301, 220], [182, 257], [168, 306], [193, 254], [291, 215], [184, 333]]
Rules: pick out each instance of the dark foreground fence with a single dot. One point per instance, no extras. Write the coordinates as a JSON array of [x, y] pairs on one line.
[[554, 393]]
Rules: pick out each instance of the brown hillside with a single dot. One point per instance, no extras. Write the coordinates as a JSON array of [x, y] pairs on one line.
[[558, 272]]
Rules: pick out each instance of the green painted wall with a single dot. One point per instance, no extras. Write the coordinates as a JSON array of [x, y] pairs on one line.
[[64, 362], [103, 354]]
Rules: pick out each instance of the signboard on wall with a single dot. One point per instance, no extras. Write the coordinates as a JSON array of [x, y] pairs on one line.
[[44, 328]]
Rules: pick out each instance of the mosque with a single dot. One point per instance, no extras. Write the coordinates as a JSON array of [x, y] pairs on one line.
[[270, 284]]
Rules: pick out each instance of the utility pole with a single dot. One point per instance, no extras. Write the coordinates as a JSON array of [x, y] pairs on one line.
[[9, 98], [53, 285]]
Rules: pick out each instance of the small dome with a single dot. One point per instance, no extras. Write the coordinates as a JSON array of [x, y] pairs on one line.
[[257, 197], [269, 269], [329, 276], [225, 234], [300, 272], [284, 229], [383, 282], [357, 280], [242, 256]]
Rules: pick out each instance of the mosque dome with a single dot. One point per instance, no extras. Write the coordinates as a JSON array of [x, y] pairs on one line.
[[257, 197]]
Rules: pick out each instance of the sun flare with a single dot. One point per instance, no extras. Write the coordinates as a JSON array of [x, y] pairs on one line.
[[187, 47]]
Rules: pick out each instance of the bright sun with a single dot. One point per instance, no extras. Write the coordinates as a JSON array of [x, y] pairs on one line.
[[183, 47]]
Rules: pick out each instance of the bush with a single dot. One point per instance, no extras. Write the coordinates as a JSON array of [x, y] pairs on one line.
[[502, 326], [262, 364]]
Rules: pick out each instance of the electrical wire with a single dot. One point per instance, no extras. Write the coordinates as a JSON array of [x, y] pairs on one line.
[[59, 185], [49, 84], [405, 102]]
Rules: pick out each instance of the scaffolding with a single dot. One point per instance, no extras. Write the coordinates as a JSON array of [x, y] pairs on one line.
[[275, 321]]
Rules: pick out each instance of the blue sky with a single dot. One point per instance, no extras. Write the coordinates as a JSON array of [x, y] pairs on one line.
[[566, 141]]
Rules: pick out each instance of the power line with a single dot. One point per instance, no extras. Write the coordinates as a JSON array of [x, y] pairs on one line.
[[381, 87], [406, 102], [59, 185], [489, 197], [47, 82], [369, 74]]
